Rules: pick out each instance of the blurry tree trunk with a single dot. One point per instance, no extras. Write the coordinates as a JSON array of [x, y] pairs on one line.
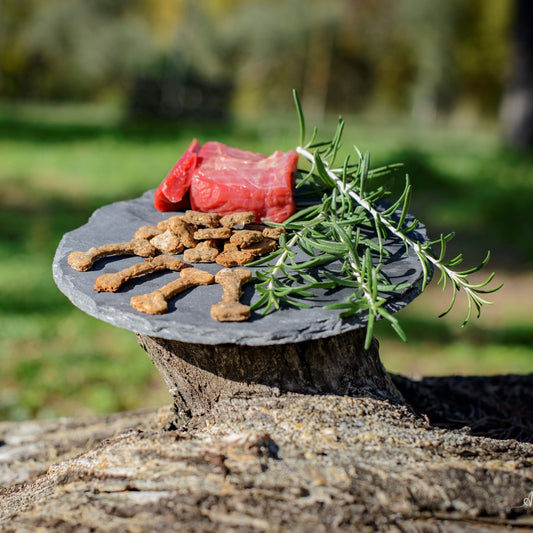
[[317, 72], [517, 108], [433, 89]]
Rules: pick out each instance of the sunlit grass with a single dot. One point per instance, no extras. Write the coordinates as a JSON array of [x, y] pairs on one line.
[[58, 166]]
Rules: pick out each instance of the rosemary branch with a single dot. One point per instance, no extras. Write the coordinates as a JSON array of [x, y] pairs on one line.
[[458, 278], [330, 230]]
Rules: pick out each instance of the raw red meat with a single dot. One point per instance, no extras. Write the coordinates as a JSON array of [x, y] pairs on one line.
[[162, 203], [178, 181], [226, 180]]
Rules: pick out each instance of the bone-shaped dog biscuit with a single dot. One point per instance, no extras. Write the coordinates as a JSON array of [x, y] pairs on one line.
[[246, 237], [270, 232], [167, 243], [83, 261], [237, 219], [211, 220], [147, 232], [232, 256], [212, 233], [112, 282], [156, 302], [204, 252], [183, 229], [230, 309]]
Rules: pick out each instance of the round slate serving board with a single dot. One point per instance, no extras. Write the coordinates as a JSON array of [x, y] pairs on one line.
[[188, 318]]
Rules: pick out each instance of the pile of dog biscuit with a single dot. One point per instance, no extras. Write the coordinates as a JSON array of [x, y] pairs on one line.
[[231, 241]]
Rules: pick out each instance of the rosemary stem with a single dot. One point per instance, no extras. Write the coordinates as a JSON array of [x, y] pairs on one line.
[[283, 256]]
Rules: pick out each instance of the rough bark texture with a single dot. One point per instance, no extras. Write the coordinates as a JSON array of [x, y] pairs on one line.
[[260, 457], [299, 463], [198, 376]]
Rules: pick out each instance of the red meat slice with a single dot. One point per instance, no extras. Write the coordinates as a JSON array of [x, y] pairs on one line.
[[174, 187], [228, 180], [222, 179]]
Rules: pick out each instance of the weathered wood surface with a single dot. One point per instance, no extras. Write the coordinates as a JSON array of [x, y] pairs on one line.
[[292, 462]]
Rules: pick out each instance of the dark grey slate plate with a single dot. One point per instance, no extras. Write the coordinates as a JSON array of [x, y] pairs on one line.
[[188, 319]]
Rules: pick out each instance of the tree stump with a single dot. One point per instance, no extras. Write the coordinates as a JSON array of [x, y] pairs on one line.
[[200, 375]]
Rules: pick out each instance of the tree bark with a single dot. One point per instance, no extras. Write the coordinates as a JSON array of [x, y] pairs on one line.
[[517, 106], [309, 437], [199, 376], [296, 462]]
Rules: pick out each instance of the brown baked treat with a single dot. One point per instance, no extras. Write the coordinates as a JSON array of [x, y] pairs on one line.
[[230, 312], [167, 243], [163, 224], [147, 232], [212, 233], [204, 252], [232, 256], [232, 280], [156, 302], [273, 232], [237, 219], [113, 281], [230, 309], [245, 237], [255, 227], [262, 247], [183, 229], [83, 261], [211, 220]]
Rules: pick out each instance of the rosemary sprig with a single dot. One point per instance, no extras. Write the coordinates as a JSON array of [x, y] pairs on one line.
[[348, 225]]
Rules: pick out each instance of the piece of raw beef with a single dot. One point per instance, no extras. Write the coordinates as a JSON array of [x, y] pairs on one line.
[[227, 180]]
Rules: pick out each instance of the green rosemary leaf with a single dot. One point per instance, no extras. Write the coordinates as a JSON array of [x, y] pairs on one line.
[[315, 262], [369, 329], [260, 302], [301, 118], [363, 174], [389, 287], [321, 169], [331, 153], [406, 202], [384, 171], [339, 305], [297, 303], [266, 259], [329, 247], [393, 321], [411, 227]]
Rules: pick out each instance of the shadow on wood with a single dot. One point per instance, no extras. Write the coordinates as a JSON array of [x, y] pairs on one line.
[[499, 407]]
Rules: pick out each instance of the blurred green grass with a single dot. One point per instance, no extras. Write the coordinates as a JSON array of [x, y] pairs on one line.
[[59, 163]]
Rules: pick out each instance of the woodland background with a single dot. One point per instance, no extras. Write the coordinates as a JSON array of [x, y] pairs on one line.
[[98, 99]]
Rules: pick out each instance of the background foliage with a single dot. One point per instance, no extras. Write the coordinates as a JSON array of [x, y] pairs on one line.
[[428, 57], [98, 99]]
